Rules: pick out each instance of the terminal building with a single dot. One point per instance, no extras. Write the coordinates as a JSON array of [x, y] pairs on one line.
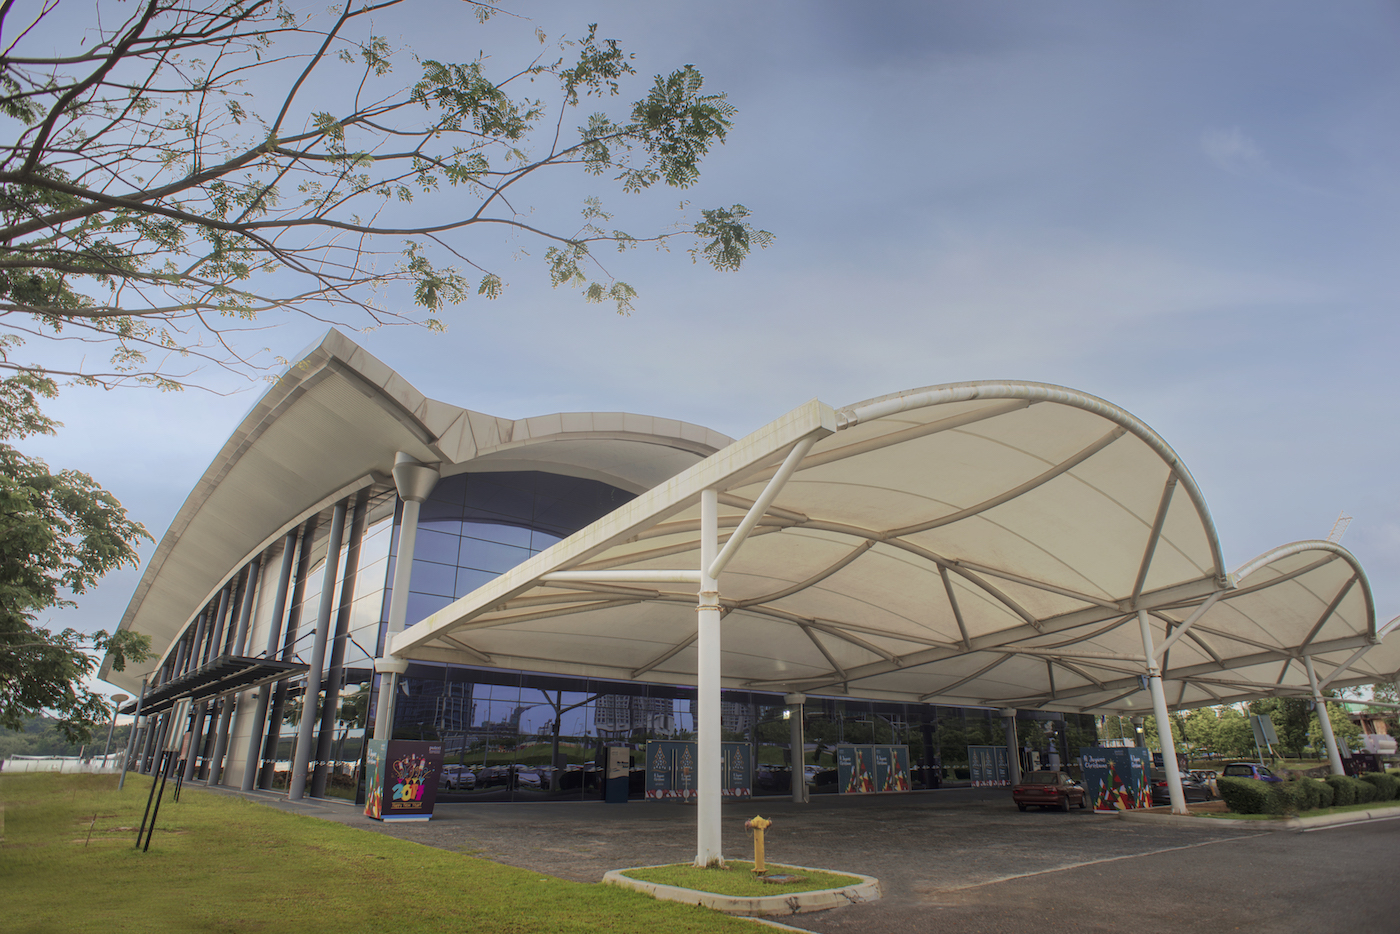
[[939, 568]]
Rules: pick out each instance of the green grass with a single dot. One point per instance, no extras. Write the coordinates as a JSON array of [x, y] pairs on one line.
[[222, 864], [1318, 812], [738, 879]]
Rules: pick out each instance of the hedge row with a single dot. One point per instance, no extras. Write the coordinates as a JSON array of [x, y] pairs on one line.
[[1251, 796]]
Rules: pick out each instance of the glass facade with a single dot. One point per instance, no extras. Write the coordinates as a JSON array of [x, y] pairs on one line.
[[519, 735]]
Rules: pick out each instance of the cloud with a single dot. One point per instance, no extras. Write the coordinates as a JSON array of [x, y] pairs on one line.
[[1234, 151]]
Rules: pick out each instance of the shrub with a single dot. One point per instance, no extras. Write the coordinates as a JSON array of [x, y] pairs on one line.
[[1343, 791], [1387, 786], [1286, 797], [1244, 795], [1325, 794], [1309, 797], [1365, 791]]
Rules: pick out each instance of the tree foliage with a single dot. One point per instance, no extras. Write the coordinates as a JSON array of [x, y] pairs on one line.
[[59, 533], [180, 167]]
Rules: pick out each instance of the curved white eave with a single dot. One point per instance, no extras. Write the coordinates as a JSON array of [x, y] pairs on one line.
[[332, 423]]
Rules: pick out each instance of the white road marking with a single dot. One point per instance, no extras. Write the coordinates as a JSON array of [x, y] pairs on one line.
[[1107, 859]]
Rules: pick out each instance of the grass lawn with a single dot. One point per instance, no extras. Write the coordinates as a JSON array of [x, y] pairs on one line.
[[738, 879], [223, 864], [1369, 806]]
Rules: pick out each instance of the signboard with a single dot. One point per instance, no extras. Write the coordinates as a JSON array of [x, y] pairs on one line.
[[402, 779], [671, 769], [615, 786], [988, 765], [1116, 778], [1361, 763], [864, 770]]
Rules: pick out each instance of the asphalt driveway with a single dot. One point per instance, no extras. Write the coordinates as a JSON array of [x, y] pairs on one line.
[[966, 860]]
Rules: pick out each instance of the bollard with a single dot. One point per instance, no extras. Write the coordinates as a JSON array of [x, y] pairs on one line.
[[758, 825]]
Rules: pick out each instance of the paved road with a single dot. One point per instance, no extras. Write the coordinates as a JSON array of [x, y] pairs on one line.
[[967, 861]]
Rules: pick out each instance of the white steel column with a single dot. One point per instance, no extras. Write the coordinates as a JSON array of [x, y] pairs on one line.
[[1164, 725], [1013, 750], [1320, 705], [414, 481], [708, 777], [798, 744], [310, 698]]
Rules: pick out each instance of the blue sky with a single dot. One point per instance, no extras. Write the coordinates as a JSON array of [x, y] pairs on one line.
[[1188, 209]]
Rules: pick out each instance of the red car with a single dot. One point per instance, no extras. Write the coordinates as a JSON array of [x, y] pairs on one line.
[[1048, 790]]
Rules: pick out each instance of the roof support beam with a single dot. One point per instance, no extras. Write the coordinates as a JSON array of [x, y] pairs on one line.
[[1331, 608], [1185, 626], [765, 499], [953, 603], [1075, 669], [666, 655], [1356, 657], [481, 658], [1000, 659], [817, 578], [1038, 585], [1136, 689], [835, 666], [639, 576], [917, 431], [1069, 653], [1008, 495], [1154, 536]]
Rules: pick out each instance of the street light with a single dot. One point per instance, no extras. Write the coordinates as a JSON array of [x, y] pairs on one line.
[[117, 701]]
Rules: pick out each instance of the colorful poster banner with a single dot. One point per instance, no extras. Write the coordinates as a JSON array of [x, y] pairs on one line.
[[402, 779], [671, 769], [865, 770], [989, 766], [1116, 778]]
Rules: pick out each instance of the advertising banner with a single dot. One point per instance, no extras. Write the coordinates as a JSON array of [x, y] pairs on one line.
[[989, 765], [402, 779], [864, 770], [671, 769], [1116, 777]]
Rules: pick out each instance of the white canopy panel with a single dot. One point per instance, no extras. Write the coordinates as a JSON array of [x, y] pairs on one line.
[[982, 543]]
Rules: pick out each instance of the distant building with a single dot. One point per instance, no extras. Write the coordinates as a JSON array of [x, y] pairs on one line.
[[616, 716]]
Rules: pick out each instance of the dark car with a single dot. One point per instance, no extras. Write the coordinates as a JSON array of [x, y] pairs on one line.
[[1048, 790], [1249, 770], [1193, 789]]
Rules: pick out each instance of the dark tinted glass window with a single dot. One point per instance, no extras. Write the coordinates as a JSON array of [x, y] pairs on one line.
[[475, 527]]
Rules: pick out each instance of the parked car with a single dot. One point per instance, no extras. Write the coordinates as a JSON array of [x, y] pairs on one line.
[[453, 777], [1193, 790], [1207, 777], [1048, 790], [1249, 770]]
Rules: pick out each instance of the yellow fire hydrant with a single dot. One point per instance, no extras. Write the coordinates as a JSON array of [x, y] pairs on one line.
[[758, 825]]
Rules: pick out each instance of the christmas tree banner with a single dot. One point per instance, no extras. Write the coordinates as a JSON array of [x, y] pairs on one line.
[[1116, 777], [671, 769]]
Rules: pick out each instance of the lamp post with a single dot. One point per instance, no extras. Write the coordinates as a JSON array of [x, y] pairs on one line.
[[117, 701]]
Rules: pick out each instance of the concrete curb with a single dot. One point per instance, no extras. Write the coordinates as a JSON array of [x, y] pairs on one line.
[[866, 890], [1295, 824]]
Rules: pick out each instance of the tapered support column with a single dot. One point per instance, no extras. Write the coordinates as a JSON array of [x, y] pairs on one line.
[[196, 739], [131, 736], [1334, 757], [279, 609], [307, 725], [798, 743], [1164, 725], [240, 641], [415, 481], [707, 819], [1013, 754]]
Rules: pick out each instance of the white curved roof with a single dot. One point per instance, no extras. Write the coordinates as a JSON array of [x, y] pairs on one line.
[[333, 424], [978, 543]]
